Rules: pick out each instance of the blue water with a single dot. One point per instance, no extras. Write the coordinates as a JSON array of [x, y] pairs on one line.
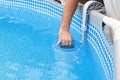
[[27, 50]]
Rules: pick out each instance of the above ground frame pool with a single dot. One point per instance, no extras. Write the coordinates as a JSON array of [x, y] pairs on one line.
[[28, 51]]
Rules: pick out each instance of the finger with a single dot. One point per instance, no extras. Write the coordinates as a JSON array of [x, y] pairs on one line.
[[70, 43], [72, 38], [59, 41], [66, 41]]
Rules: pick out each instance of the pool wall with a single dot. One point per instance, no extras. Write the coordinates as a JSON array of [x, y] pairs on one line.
[[95, 31]]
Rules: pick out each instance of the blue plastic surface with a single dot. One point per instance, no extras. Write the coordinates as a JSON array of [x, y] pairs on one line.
[[27, 51]]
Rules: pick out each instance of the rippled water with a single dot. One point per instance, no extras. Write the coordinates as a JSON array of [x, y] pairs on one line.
[[27, 52]]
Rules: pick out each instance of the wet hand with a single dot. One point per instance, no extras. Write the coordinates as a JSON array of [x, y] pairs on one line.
[[65, 37]]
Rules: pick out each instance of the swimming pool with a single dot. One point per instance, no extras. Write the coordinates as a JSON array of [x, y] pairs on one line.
[[28, 33]]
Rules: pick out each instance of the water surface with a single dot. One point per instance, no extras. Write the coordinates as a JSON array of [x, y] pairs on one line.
[[27, 50]]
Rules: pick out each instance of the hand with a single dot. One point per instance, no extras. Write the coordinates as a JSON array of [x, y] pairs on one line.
[[65, 37]]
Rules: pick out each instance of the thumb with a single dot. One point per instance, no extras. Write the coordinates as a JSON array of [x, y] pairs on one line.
[[59, 41]]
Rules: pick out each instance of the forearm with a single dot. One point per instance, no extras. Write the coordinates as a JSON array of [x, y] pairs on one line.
[[70, 7]]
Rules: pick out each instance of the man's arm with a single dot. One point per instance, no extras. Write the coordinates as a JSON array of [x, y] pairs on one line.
[[64, 34]]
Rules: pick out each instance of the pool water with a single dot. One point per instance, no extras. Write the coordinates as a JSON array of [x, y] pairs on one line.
[[27, 52]]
